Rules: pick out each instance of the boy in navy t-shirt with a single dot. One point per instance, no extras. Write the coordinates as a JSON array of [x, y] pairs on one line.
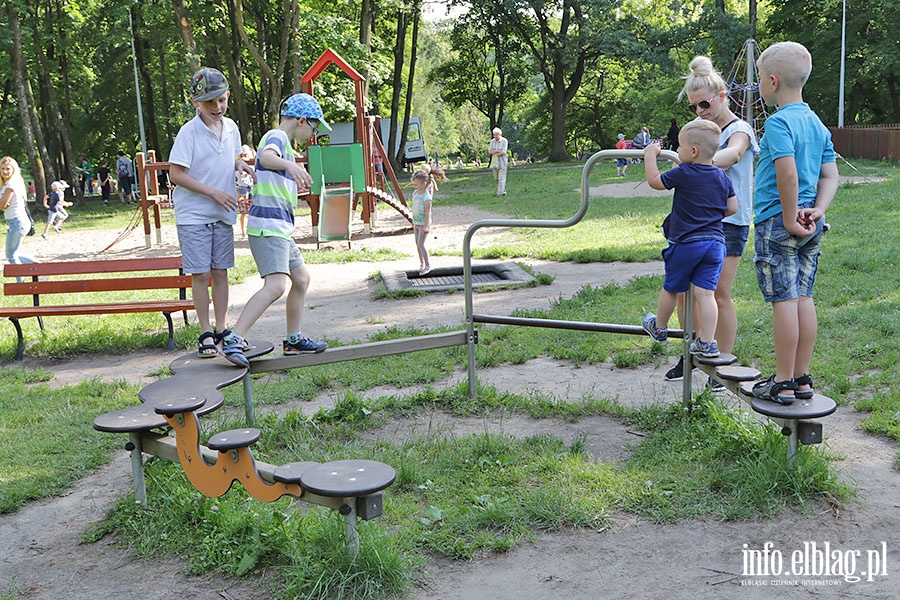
[[703, 197]]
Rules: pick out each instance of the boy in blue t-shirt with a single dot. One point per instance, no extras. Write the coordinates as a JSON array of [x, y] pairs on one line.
[[796, 180], [270, 228], [703, 197]]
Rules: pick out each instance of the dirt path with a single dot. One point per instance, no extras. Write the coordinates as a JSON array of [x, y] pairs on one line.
[[631, 558]]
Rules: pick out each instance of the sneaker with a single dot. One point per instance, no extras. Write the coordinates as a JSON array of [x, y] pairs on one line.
[[44, 235], [708, 349], [655, 333], [715, 385], [425, 270], [57, 229], [676, 373], [304, 346]]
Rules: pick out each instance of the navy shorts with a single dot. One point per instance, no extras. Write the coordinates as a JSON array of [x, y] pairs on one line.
[[697, 262]]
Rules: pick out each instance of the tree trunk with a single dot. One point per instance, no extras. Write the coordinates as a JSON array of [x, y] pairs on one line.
[[366, 26], [184, 27], [296, 48], [399, 54], [231, 43], [164, 91], [53, 113], [20, 76], [416, 16], [273, 99]]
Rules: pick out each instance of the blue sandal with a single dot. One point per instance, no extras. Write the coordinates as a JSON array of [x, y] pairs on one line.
[[771, 390], [233, 349]]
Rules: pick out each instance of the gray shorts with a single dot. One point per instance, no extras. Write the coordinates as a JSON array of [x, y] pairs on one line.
[[274, 254], [206, 247]]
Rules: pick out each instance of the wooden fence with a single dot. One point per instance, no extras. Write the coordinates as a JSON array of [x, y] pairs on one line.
[[878, 142]]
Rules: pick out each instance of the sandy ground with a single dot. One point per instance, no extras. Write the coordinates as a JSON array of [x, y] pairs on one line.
[[631, 558]]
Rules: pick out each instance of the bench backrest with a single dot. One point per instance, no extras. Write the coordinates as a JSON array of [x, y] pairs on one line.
[[36, 287]]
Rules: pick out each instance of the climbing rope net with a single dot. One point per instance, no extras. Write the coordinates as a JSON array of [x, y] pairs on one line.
[[743, 88]]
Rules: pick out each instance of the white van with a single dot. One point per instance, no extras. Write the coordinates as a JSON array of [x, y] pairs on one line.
[[345, 133]]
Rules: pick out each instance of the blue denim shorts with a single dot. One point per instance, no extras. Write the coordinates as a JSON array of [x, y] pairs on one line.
[[697, 262], [735, 238], [785, 263], [205, 247]]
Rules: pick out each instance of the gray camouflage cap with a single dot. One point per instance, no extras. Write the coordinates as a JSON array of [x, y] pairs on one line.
[[208, 84]]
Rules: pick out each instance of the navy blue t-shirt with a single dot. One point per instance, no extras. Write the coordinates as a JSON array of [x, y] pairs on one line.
[[699, 204]]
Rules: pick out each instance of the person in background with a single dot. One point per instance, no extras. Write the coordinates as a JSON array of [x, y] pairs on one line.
[[499, 159], [13, 196], [87, 176], [641, 140], [103, 178], [125, 172], [244, 183], [621, 163], [56, 204], [421, 213], [672, 136]]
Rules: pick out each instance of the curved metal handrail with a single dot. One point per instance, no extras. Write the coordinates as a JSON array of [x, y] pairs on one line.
[[548, 223]]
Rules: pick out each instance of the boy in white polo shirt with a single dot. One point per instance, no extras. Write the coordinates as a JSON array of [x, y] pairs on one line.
[[203, 163]]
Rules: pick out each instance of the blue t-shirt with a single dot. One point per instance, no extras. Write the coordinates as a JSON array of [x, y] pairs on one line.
[[796, 131], [699, 204]]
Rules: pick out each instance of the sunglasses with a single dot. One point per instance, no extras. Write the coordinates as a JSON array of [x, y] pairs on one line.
[[704, 104], [314, 124]]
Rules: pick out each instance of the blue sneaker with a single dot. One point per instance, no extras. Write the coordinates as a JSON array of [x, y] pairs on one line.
[[655, 333], [708, 349], [304, 346]]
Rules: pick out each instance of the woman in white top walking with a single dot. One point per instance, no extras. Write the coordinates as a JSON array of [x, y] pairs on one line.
[[499, 161]]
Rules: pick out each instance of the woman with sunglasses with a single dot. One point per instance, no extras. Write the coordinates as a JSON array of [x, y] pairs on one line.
[[708, 97]]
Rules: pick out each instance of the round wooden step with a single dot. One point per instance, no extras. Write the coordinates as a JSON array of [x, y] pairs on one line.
[[737, 373], [348, 478], [183, 405], [233, 438], [291, 472]]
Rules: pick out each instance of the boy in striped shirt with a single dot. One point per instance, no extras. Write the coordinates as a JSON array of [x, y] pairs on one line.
[[270, 228]]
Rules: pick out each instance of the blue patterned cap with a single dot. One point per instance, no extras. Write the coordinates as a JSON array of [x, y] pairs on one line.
[[304, 105]]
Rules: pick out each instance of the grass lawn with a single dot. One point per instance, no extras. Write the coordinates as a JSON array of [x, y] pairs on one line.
[[456, 496]]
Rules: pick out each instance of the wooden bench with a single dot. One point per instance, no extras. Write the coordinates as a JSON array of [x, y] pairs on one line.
[[58, 278]]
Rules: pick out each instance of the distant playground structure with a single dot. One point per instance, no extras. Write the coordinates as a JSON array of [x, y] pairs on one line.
[[344, 176]]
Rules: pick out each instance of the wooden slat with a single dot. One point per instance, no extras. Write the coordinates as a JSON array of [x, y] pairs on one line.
[[360, 351], [77, 286], [22, 312], [80, 267]]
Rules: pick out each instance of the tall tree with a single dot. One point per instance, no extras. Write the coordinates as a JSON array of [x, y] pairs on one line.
[[187, 35], [27, 118]]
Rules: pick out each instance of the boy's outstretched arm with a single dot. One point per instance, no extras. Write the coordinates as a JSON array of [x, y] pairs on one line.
[[825, 191], [651, 169]]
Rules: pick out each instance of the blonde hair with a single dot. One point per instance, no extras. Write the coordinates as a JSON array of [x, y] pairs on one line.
[[17, 172], [421, 175], [703, 76], [703, 134], [790, 61]]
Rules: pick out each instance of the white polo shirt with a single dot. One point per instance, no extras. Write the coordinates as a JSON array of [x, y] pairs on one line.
[[209, 160]]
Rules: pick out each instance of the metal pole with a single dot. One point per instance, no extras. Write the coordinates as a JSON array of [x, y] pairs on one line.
[[843, 57], [750, 78], [137, 85]]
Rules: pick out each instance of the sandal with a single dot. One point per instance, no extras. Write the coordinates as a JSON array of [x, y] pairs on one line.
[[205, 350], [220, 337], [233, 349], [771, 390], [804, 379]]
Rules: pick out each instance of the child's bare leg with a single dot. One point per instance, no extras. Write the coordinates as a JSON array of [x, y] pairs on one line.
[[706, 306], [664, 308], [786, 325], [259, 303], [220, 296], [296, 299], [726, 326], [808, 325]]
